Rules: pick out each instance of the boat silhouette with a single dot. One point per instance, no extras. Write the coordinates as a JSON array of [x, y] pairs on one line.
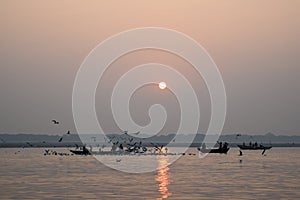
[[84, 151], [219, 150]]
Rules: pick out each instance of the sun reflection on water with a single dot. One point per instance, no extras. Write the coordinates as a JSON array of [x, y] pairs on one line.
[[163, 177]]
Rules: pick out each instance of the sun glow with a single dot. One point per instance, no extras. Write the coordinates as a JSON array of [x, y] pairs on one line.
[[162, 85]]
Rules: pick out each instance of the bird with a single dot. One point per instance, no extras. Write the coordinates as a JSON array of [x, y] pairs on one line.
[[118, 160], [68, 132], [237, 135], [60, 139], [55, 121], [157, 148], [137, 133], [29, 144], [241, 153]]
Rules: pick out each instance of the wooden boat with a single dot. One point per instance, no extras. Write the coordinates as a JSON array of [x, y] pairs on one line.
[[253, 147], [84, 151], [219, 150]]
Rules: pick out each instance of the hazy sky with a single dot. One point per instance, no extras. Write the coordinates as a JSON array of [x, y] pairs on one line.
[[255, 44]]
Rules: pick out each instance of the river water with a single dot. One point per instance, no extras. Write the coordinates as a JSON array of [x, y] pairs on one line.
[[28, 174]]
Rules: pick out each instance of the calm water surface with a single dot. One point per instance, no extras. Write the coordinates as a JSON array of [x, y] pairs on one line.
[[27, 173]]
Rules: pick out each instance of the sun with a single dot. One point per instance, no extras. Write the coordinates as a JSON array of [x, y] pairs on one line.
[[162, 85]]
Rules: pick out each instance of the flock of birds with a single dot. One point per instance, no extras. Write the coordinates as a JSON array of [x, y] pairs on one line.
[[124, 142], [52, 152], [131, 144], [54, 121]]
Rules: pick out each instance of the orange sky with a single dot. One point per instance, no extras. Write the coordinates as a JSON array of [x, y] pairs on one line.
[[254, 43]]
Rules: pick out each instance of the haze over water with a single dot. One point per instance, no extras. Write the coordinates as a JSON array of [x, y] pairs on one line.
[[27, 173], [44, 45]]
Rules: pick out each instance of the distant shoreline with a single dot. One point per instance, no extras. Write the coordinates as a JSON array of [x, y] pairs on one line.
[[73, 140], [73, 145]]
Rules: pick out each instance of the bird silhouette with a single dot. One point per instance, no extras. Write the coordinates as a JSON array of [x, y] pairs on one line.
[[241, 153], [237, 135], [137, 133], [55, 121], [29, 144], [60, 139], [68, 133]]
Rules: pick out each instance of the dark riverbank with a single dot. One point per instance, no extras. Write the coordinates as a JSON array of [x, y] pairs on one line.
[[72, 140]]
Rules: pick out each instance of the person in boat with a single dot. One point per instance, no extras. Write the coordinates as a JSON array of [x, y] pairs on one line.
[[85, 150], [255, 144], [220, 145], [114, 147], [250, 144], [225, 146]]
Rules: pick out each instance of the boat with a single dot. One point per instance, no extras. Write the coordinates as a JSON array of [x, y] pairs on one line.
[[84, 151], [219, 150], [80, 152], [253, 147]]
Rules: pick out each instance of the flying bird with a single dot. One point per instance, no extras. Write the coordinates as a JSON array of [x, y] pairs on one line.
[[60, 139], [55, 121], [137, 133]]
